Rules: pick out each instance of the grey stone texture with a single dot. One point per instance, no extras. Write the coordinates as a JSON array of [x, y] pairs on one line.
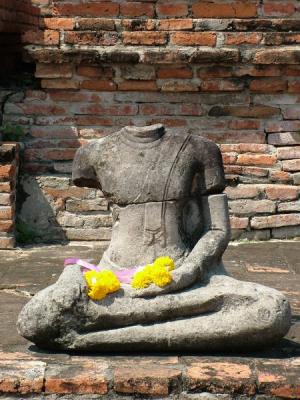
[[165, 192]]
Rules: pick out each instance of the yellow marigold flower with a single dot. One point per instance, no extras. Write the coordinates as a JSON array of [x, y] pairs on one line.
[[110, 280], [97, 292], [91, 277], [158, 273], [161, 276], [100, 284], [141, 279], [165, 262]]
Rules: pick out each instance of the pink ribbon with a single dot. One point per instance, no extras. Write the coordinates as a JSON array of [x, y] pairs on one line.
[[124, 275]]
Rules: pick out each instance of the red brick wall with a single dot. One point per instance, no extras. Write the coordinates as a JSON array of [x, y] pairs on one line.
[[228, 70], [9, 163]]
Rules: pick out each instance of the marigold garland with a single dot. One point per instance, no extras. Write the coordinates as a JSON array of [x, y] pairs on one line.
[[164, 262], [157, 273], [102, 283]]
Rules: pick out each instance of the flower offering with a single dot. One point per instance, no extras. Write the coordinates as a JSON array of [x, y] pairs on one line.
[[102, 282], [157, 273]]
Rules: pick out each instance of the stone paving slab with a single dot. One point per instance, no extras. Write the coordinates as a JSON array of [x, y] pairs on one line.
[[27, 372]]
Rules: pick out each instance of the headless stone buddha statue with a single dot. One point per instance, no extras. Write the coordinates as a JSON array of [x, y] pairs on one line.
[[165, 193]]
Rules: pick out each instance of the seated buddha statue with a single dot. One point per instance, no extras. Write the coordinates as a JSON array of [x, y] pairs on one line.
[[165, 191]]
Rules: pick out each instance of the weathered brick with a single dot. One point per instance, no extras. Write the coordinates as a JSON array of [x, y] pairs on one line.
[[98, 84], [278, 8], [155, 109], [215, 72], [95, 24], [284, 138], [170, 9], [193, 38], [293, 206], [175, 24], [88, 9], [5, 187], [247, 147], [268, 85], [98, 109], [211, 55], [246, 124], [86, 377], [242, 192], [138, 24], [274, 221], [280, 176], [136, 9], [222, 85], [291, 113], [287, 153], [6, 199], [59, 23], [229, 158], [7, 213], [49, 154], [258, 70], [190, 109], [291, 165], [6, 226], [286, 232], [7, 171], [146, 380], [91, 38], [281, 192], [244, 111], [239, 223], [9, 385], [47, 37], [294, 86], [277, 55], [93, 71], [59, 84], [138, 72], [54, 71], [256, 159], [179, 86], [87, 205], [38, 107], [67, 219], [252, 207], [296, 178], [255, 171], [219, 376], [144, 38], [138, 85], [243, 38], [174, 72], [71, 96], [204, 9], [53, 132]]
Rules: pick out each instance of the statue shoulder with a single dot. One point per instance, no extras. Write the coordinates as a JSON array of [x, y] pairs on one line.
[[204, 146], [210, 161]]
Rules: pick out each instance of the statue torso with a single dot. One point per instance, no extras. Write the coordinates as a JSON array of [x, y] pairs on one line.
[[153, 184]]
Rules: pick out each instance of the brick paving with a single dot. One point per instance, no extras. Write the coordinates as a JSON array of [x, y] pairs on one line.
[[27, 371]]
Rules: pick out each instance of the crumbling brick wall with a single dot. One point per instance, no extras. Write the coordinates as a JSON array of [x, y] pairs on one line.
[[228, 70], [9, 164]]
